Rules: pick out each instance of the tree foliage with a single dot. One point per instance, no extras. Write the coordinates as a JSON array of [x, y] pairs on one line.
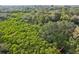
[[21, 37], [39, 29]]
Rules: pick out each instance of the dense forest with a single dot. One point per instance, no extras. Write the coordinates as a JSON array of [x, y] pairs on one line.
[[39, 29]]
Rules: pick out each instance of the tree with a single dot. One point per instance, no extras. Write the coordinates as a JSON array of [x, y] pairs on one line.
[[58, 32], [64, 15], [21, 37]]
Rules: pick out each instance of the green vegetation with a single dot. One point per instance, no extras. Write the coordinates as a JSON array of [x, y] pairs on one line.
[[39, 30]]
